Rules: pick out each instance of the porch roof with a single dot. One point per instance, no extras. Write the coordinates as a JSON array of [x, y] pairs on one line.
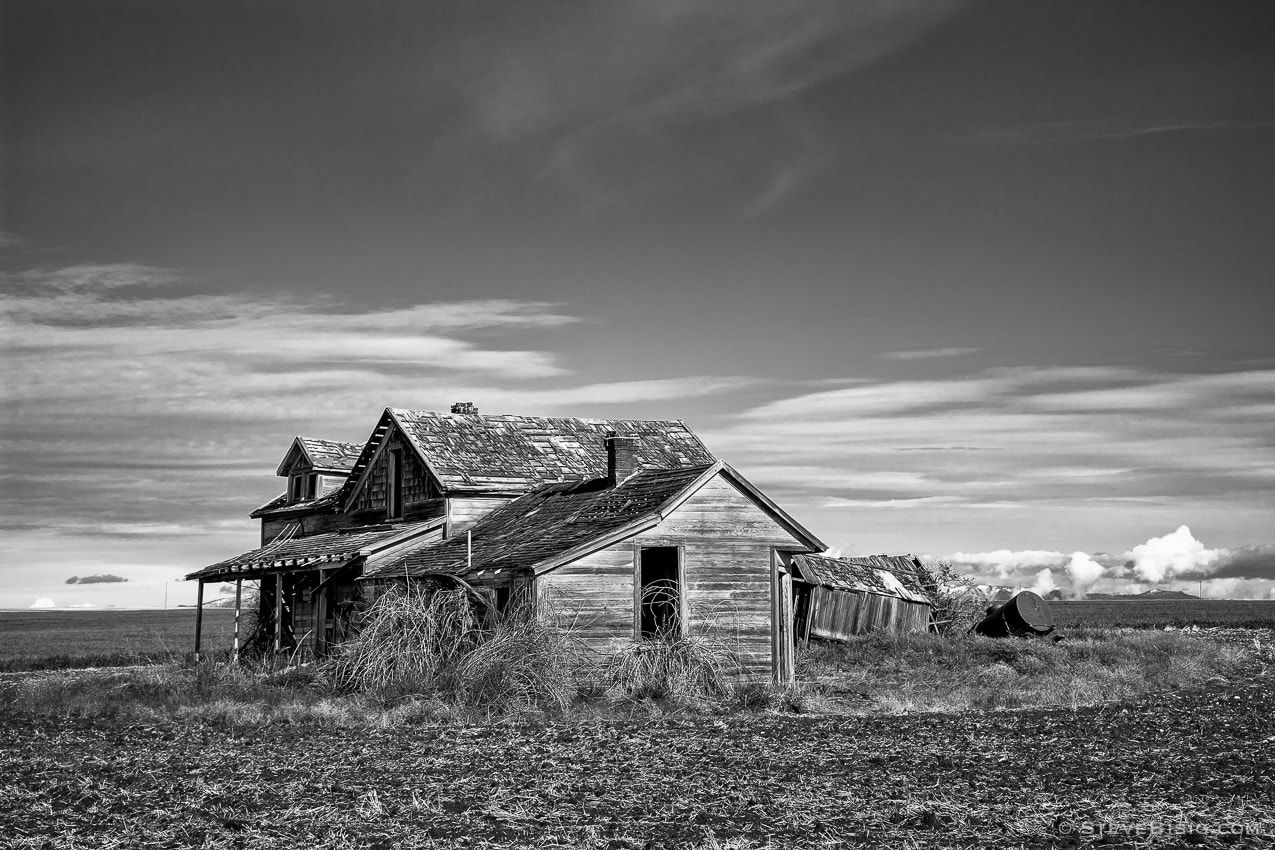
[[287, 552]]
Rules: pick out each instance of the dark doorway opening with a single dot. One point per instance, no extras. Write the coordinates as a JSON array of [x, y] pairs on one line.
[[660, 599]]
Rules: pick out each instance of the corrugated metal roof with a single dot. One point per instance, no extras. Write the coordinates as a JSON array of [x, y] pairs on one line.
[[538, 526], [886, 575], [513, 453], [299, 552]]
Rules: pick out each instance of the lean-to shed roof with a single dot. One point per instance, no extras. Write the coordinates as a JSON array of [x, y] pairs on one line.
[[885, 575]]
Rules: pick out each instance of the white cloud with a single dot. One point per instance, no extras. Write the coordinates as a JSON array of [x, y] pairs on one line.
[[1044, 583], [1083, 571], [43, 602], [1172, 555], [1004, 561]]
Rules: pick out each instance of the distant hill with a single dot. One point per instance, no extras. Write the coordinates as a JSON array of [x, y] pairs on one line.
[[1152, 595]]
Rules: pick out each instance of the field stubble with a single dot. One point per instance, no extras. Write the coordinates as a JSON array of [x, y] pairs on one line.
[[1128, 738]]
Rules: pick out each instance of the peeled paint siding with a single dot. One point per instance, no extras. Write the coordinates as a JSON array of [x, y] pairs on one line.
[[727, 543]]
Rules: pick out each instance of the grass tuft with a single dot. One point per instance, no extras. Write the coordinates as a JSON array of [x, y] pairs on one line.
[[432, 643], [673, 666]]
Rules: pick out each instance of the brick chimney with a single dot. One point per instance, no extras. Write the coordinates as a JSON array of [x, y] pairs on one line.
[[465, 408], [622, 460]]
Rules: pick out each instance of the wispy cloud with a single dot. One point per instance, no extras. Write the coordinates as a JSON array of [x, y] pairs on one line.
[[927, 354], [599, 92], [1107, 130], [1080, 445], [147, 404]]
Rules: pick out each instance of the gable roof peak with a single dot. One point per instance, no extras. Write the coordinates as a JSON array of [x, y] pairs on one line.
[[322, 455]]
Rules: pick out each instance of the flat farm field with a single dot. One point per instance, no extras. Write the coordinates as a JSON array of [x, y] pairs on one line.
[[1182, 768], [43, 640], [1141, 614]]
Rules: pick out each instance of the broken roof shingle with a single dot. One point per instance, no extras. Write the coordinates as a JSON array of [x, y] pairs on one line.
[[551, 521], [518, 453], [886, 575], [280, 504], [331, 454]]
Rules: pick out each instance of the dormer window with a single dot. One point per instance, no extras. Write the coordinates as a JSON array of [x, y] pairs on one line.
[[302, 486]]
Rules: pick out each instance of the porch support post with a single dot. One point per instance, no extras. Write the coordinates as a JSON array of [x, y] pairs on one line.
[[199, 618], [234, 647], [278, 611], [321, 615]]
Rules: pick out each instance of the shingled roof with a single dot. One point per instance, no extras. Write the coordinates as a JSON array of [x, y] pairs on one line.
[[331, 454], [323, 455], [885, 575], [515, 454], [548, 523], [286, 552]]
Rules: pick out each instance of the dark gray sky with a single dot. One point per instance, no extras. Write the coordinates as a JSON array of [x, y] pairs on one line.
[[942, 277]]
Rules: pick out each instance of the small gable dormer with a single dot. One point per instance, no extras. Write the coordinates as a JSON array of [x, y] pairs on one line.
[[315, 467]]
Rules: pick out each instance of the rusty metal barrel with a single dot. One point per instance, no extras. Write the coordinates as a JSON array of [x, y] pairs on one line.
[[1023, 615]]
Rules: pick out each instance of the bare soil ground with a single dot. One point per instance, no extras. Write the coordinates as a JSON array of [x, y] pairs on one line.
[[1191, 767]]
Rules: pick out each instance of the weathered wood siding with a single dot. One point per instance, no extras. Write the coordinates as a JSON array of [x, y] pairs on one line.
[[726, 545], [462, 512], [839, 614], [417, 482]]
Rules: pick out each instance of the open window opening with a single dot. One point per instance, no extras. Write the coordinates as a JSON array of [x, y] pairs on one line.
[[394, 485], [660, 592]]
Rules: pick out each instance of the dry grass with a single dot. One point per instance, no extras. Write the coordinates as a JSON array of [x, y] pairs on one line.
[[417, 642], [683, 668], [919, 673], [428, 658]]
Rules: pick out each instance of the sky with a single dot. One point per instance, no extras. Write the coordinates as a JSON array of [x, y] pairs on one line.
[[988, 282]]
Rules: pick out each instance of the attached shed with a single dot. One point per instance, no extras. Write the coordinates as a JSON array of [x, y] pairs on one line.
[[836, 598]]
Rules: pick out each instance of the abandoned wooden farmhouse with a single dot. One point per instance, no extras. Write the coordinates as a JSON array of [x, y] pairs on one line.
[[633, 526]]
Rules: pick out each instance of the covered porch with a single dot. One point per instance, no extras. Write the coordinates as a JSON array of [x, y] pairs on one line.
[[307, 589]]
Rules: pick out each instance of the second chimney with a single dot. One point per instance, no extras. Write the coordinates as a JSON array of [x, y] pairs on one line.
[[622, 460]]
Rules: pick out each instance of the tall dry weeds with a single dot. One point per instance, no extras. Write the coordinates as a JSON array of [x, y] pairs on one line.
[[673, 664], [429, 641]]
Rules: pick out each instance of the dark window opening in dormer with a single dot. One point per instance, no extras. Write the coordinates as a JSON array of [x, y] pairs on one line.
[[394, 485], [302, 486]]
